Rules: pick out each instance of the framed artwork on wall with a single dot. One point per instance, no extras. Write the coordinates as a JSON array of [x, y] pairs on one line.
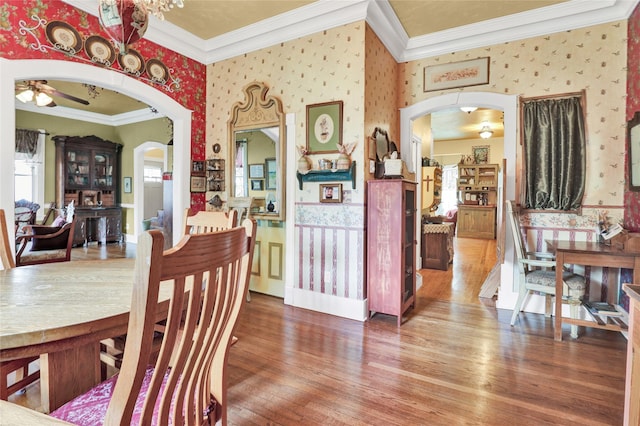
[[324, 127], [271, 173], [331, 193], [197, 167], [127, 185], [481, 154], [257, 184], [198, 184], [256, 171], [473, 72]]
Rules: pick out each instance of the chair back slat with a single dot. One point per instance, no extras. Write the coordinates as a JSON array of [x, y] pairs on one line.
[[242, 207], [514, 222], [204, 221], [6, 256], [209, 276]]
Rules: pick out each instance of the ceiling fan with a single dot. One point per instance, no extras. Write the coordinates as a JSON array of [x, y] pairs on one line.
[[40, 92]]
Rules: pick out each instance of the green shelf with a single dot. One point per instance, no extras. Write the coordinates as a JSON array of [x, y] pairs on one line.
[[328, 176]]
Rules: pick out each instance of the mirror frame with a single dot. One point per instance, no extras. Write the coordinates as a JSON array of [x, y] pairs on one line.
[[633, 139], [257, 111]]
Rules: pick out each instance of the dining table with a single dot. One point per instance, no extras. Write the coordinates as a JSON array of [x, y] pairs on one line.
[[60, 312]]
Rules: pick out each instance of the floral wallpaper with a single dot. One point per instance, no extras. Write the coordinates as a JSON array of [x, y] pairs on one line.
[[592, 58], [632, 199], [23, 36]]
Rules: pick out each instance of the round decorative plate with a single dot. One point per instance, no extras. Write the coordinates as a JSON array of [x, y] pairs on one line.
[[131, 62], [63, 36], [157, 71], [100, 50], [216, 147]]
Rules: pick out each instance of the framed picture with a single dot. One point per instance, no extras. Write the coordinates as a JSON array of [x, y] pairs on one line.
[[481, 154], [473, 72], [270, 165], [197, 167], [324, 127], [331, 193], [127, 185], [256, 171], [198, 184], [257, 185]]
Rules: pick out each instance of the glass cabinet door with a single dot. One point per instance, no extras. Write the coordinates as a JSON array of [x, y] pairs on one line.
[[103, 170], [77, 169]]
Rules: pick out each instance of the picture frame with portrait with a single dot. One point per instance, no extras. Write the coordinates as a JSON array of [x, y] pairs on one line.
[[324, 127], [331, 193]]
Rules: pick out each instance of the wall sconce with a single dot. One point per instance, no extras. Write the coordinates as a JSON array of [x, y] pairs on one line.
[[468, 109], [485, 131]]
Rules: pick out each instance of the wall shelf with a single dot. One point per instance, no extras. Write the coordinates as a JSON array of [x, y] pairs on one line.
[[328, 176]]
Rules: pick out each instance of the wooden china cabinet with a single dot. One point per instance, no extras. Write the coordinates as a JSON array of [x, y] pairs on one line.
[[391, 246], [88, 173]]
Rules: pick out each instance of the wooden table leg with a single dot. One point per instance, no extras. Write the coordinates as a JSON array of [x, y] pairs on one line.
[[67, 374], [557, 320]]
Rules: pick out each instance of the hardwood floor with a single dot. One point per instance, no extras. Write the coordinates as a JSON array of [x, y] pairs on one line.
[[455, 360]]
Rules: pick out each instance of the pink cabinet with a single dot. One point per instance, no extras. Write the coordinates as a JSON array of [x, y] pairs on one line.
[[391, 246]]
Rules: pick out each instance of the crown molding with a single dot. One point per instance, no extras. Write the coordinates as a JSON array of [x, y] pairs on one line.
[[548, 20], [326, 14], [137, 116]]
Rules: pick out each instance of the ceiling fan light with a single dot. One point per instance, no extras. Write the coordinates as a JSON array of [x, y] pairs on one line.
[[25, 96], [42, 99], [485, 132], [468, 109]]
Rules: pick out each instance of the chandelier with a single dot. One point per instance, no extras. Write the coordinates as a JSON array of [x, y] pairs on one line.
[[156, 7]]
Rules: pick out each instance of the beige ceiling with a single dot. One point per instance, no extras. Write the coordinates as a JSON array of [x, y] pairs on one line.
[[207, 19], [211, 18]]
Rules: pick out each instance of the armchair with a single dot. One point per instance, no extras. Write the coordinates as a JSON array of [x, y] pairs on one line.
[[45, 244]]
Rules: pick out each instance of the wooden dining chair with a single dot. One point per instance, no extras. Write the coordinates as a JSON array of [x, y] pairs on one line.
[[536, 273], [15, 371], [209, 221], [112, 349], [208, 275], [242, 206]]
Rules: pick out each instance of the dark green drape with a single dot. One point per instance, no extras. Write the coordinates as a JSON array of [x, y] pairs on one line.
[[554, 153], [27, 141]]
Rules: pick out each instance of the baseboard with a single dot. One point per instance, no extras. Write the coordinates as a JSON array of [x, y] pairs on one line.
[[332, 305]]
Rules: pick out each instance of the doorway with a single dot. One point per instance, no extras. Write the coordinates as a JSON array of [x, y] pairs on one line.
[[14, 70], [506, 103]]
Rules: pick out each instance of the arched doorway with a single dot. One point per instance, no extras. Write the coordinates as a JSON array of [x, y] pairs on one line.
[[12, 70], [506, 103]]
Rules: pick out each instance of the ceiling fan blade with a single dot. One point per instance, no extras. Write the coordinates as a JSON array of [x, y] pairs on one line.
[[70, 97]]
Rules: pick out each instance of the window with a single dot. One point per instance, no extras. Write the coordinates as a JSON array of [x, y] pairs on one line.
[[241, 166], [29, 173], [152, 172], [554, 144]]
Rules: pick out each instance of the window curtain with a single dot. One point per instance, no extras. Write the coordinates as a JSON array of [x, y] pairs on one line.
[[27, 142], [554, 153]]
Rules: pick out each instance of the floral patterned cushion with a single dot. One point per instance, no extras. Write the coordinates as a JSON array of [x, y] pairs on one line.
[[548, 278], [90, 408]]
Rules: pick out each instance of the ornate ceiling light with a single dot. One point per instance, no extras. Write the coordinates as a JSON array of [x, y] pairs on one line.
[[156, 7]]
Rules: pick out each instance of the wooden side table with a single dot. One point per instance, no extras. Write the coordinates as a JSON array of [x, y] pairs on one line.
[[437, 245]]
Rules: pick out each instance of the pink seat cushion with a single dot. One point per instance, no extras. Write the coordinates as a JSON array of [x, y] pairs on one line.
[[90, 408]]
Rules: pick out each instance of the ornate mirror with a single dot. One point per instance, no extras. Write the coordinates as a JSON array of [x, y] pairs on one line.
[[257, 148], [633, 137]]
